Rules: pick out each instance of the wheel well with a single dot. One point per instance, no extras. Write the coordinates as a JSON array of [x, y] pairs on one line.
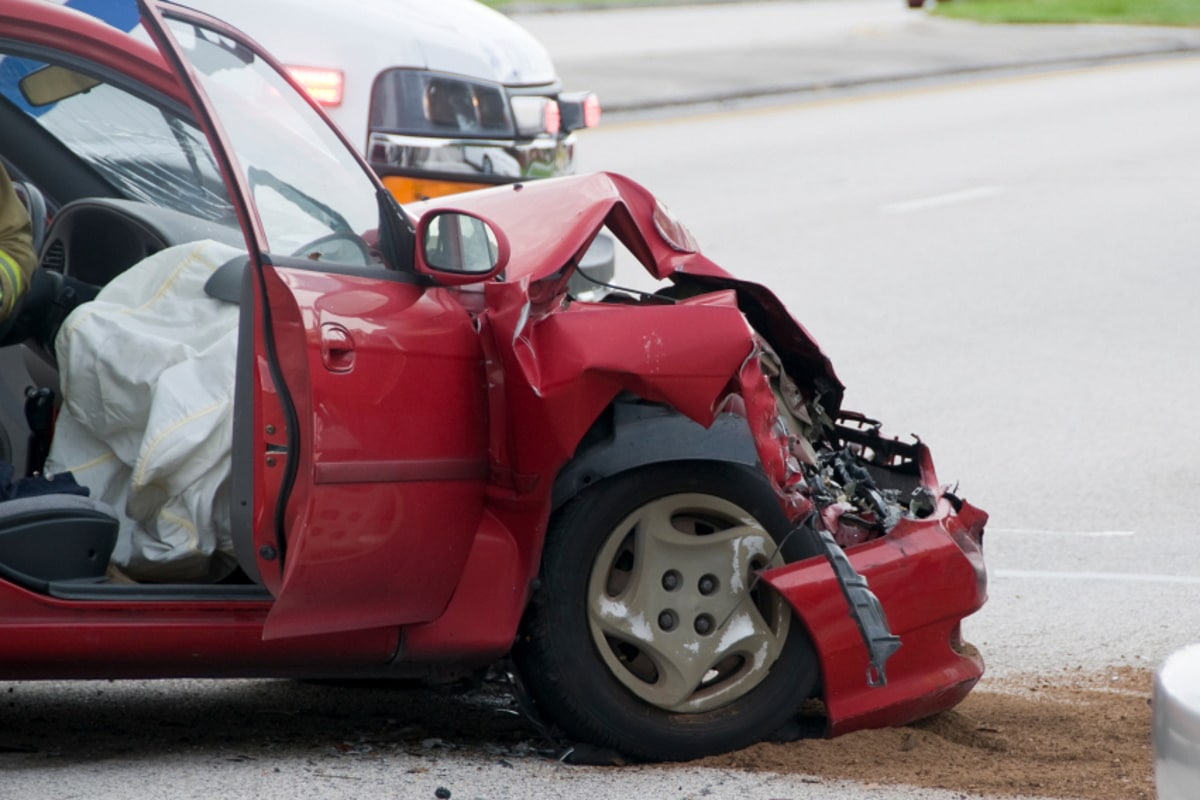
[[633, 433]]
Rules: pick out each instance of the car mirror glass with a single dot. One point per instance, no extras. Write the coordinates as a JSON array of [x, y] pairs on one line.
[[460, 243], [51, 84]]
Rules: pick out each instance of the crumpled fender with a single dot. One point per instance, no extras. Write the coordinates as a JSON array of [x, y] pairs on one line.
[[553, 365], [564, 368], [549, 379], [573, 358], [589, 202]]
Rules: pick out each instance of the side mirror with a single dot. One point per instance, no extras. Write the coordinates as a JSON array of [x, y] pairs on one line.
[[458, 248]]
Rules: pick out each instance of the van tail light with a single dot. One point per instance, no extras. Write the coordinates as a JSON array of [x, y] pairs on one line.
[[323, 85], [579, 110]]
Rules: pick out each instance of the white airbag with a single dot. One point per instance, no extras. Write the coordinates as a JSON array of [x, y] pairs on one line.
[[147, 372]]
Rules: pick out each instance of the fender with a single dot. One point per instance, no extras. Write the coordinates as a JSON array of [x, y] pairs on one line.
[[560, 394], [632, 434]]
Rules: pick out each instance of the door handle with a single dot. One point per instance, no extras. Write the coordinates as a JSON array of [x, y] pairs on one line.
[[337, 348]]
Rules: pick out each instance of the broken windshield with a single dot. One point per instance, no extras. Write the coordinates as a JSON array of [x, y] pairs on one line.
[[145, 151]]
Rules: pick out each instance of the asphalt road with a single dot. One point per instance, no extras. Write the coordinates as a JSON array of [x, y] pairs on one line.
[[1005, 267]]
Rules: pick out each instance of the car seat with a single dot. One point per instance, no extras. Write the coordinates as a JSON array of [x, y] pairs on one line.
[[55, 537]]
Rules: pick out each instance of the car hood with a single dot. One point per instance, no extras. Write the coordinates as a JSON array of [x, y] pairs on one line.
[[551, 223], [500, 48]]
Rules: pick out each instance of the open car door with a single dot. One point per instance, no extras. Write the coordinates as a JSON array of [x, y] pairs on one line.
[[360, 452]]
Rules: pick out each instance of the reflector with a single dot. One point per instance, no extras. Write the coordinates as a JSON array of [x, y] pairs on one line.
[[591, 111], [552, 117]]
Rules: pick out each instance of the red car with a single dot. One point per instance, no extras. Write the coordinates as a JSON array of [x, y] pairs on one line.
[[438, 458]]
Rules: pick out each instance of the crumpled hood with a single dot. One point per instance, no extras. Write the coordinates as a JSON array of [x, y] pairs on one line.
[[551, 222]]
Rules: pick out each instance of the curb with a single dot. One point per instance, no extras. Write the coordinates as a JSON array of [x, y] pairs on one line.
[[814, 87]]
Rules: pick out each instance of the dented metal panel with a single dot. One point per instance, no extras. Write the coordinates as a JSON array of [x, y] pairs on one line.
[[713, 344]]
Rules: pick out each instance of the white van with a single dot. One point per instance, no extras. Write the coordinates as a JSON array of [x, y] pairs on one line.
[[438, 93], [441, 95]]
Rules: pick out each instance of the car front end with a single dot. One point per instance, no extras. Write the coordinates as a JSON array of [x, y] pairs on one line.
[[432, 134]]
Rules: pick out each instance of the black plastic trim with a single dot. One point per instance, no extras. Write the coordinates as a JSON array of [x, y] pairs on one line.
[[158, 592], [391, 171], [634, 434], [376, 272]]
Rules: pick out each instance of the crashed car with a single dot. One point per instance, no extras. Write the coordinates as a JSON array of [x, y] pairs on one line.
[[652, 506]]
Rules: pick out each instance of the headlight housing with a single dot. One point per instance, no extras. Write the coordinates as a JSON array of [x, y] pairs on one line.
[[421, 103]]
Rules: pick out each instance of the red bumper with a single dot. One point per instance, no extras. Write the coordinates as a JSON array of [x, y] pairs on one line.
[[928, 574]]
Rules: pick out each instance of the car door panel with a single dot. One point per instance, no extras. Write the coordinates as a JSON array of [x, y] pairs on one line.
[[393, 452], [368, 448]]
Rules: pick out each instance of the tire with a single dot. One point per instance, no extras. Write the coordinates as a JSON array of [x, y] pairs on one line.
[[647, 636]]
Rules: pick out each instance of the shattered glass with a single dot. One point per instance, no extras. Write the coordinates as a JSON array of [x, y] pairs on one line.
[[146, 153]]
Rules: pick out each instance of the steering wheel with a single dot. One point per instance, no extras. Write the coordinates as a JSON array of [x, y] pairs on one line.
[[35, 204], [41, 311]]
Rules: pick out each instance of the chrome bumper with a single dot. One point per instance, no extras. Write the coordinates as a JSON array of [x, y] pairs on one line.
[[479, 160]]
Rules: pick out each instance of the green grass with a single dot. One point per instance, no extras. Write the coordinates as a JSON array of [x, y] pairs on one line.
[[1119, 12]]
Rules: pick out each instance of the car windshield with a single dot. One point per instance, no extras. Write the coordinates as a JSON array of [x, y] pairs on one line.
[[145, 151], [312, 196]]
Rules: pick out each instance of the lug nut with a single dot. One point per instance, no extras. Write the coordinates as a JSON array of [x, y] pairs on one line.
[[704, 624], [708, 584], [667, 620], [671, 580]]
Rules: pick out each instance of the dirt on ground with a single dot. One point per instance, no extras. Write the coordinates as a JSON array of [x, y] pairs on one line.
[[1071, 735]]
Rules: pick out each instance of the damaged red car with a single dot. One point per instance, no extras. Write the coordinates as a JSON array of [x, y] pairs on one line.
[[324, 435]]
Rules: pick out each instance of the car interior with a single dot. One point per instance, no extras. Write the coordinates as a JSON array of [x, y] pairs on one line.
[[109, 175]]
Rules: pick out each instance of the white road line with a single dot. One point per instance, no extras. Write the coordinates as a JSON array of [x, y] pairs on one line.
[[951, 198], [1123, 577], [1038, 532]]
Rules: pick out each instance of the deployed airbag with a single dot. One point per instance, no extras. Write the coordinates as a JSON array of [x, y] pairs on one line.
[[147, 372]]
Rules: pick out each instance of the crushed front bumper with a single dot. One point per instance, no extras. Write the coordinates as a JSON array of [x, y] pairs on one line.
[[927, 574]]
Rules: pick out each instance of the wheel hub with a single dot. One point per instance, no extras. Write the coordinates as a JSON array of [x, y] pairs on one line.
[[674, 609]]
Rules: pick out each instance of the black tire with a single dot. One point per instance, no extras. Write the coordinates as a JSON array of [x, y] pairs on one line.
[[706, 662]]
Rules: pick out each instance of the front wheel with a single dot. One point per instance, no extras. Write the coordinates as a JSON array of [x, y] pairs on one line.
[[649, 634]]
